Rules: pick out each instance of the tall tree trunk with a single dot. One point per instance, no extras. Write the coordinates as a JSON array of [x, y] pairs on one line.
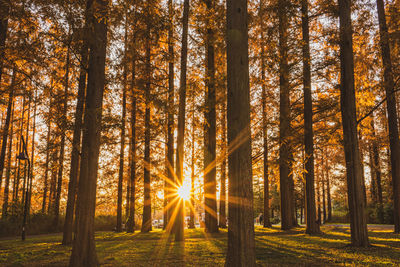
[[267, 222], [63, 129], [76, 147], [222, 198], [8, 170], [46, 166], [31, 174], [146, 223], [84, 250], [123, 120], [4, 13], [328, 194], [171, 112], [241, 245], [17, 178], [358, 223], [6, 126], [392, 113], [179, 220], [131, 220], [323, 188], [376, 169], [192, 177], [284, 119], [312, 227], [26, 178], [210, 183]]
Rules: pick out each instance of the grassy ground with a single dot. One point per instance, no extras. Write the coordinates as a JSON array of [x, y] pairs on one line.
[[273, 248]]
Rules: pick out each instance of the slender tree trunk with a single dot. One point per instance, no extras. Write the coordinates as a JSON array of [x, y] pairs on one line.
[[26, 178], [76, 148], [123, 120], [63, 129], [18, 162], [4, 13], [46, 166], [170, 119], [146, 224], [53, 180], [8, 170], [192, 177], [328, 194], [267, 222], [222, 198], [84, 250], [6, 127], [284, 118], [392, 113], [241, 245], [210, 183], [179, 220], [376, 169], [312, 227], [323, 189], [131, 220], [31, 174], [358, 223]]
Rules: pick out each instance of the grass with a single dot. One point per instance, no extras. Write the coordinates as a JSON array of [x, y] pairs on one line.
[[273, 248]]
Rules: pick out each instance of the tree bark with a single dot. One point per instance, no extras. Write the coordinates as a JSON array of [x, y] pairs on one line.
[[179, 223], [241, 245], [131, 220], [63, 129], [6, 126], [192, 177], [84, 250], [311, 225], [46, 166], [284, 119], [222, 198], [266, 216], [210, 183], [358, 223], [123, 120], [4, 13], [146, 223], [170, 118], [8, 170], [392, 113], [76, 147]]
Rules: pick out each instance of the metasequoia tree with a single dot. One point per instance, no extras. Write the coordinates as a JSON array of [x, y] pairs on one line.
[[210, 183], [179, 220], [311, 225], [358, 223], [284, 119], [241, 244], [84, 250], [389, 85]]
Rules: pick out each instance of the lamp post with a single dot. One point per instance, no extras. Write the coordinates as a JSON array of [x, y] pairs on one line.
[[24, 156]]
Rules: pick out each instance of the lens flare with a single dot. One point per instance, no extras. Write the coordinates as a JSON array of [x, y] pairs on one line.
[[184, 192]]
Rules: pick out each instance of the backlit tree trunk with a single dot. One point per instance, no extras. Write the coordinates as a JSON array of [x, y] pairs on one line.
[[4, 13], [311, 225], [210, 183], [284, 119], [8, 170], [222, 198], [178, 226], [84, 250], [241, 245], [392, 113], [76, 148], [358, 223]]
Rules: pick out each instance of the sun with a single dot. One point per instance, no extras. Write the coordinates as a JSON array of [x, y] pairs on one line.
[[184, 192]]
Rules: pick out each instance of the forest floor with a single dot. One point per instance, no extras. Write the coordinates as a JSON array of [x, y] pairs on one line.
[[273, 248]]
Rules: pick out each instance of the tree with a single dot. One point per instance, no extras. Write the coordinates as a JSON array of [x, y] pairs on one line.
[[178, 224], [76, 147], [391, 111], [312, 227], [266, 216], [84, 250], [210, 183], [241, 245], [358, 223], [123, 120], [284, 119]]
